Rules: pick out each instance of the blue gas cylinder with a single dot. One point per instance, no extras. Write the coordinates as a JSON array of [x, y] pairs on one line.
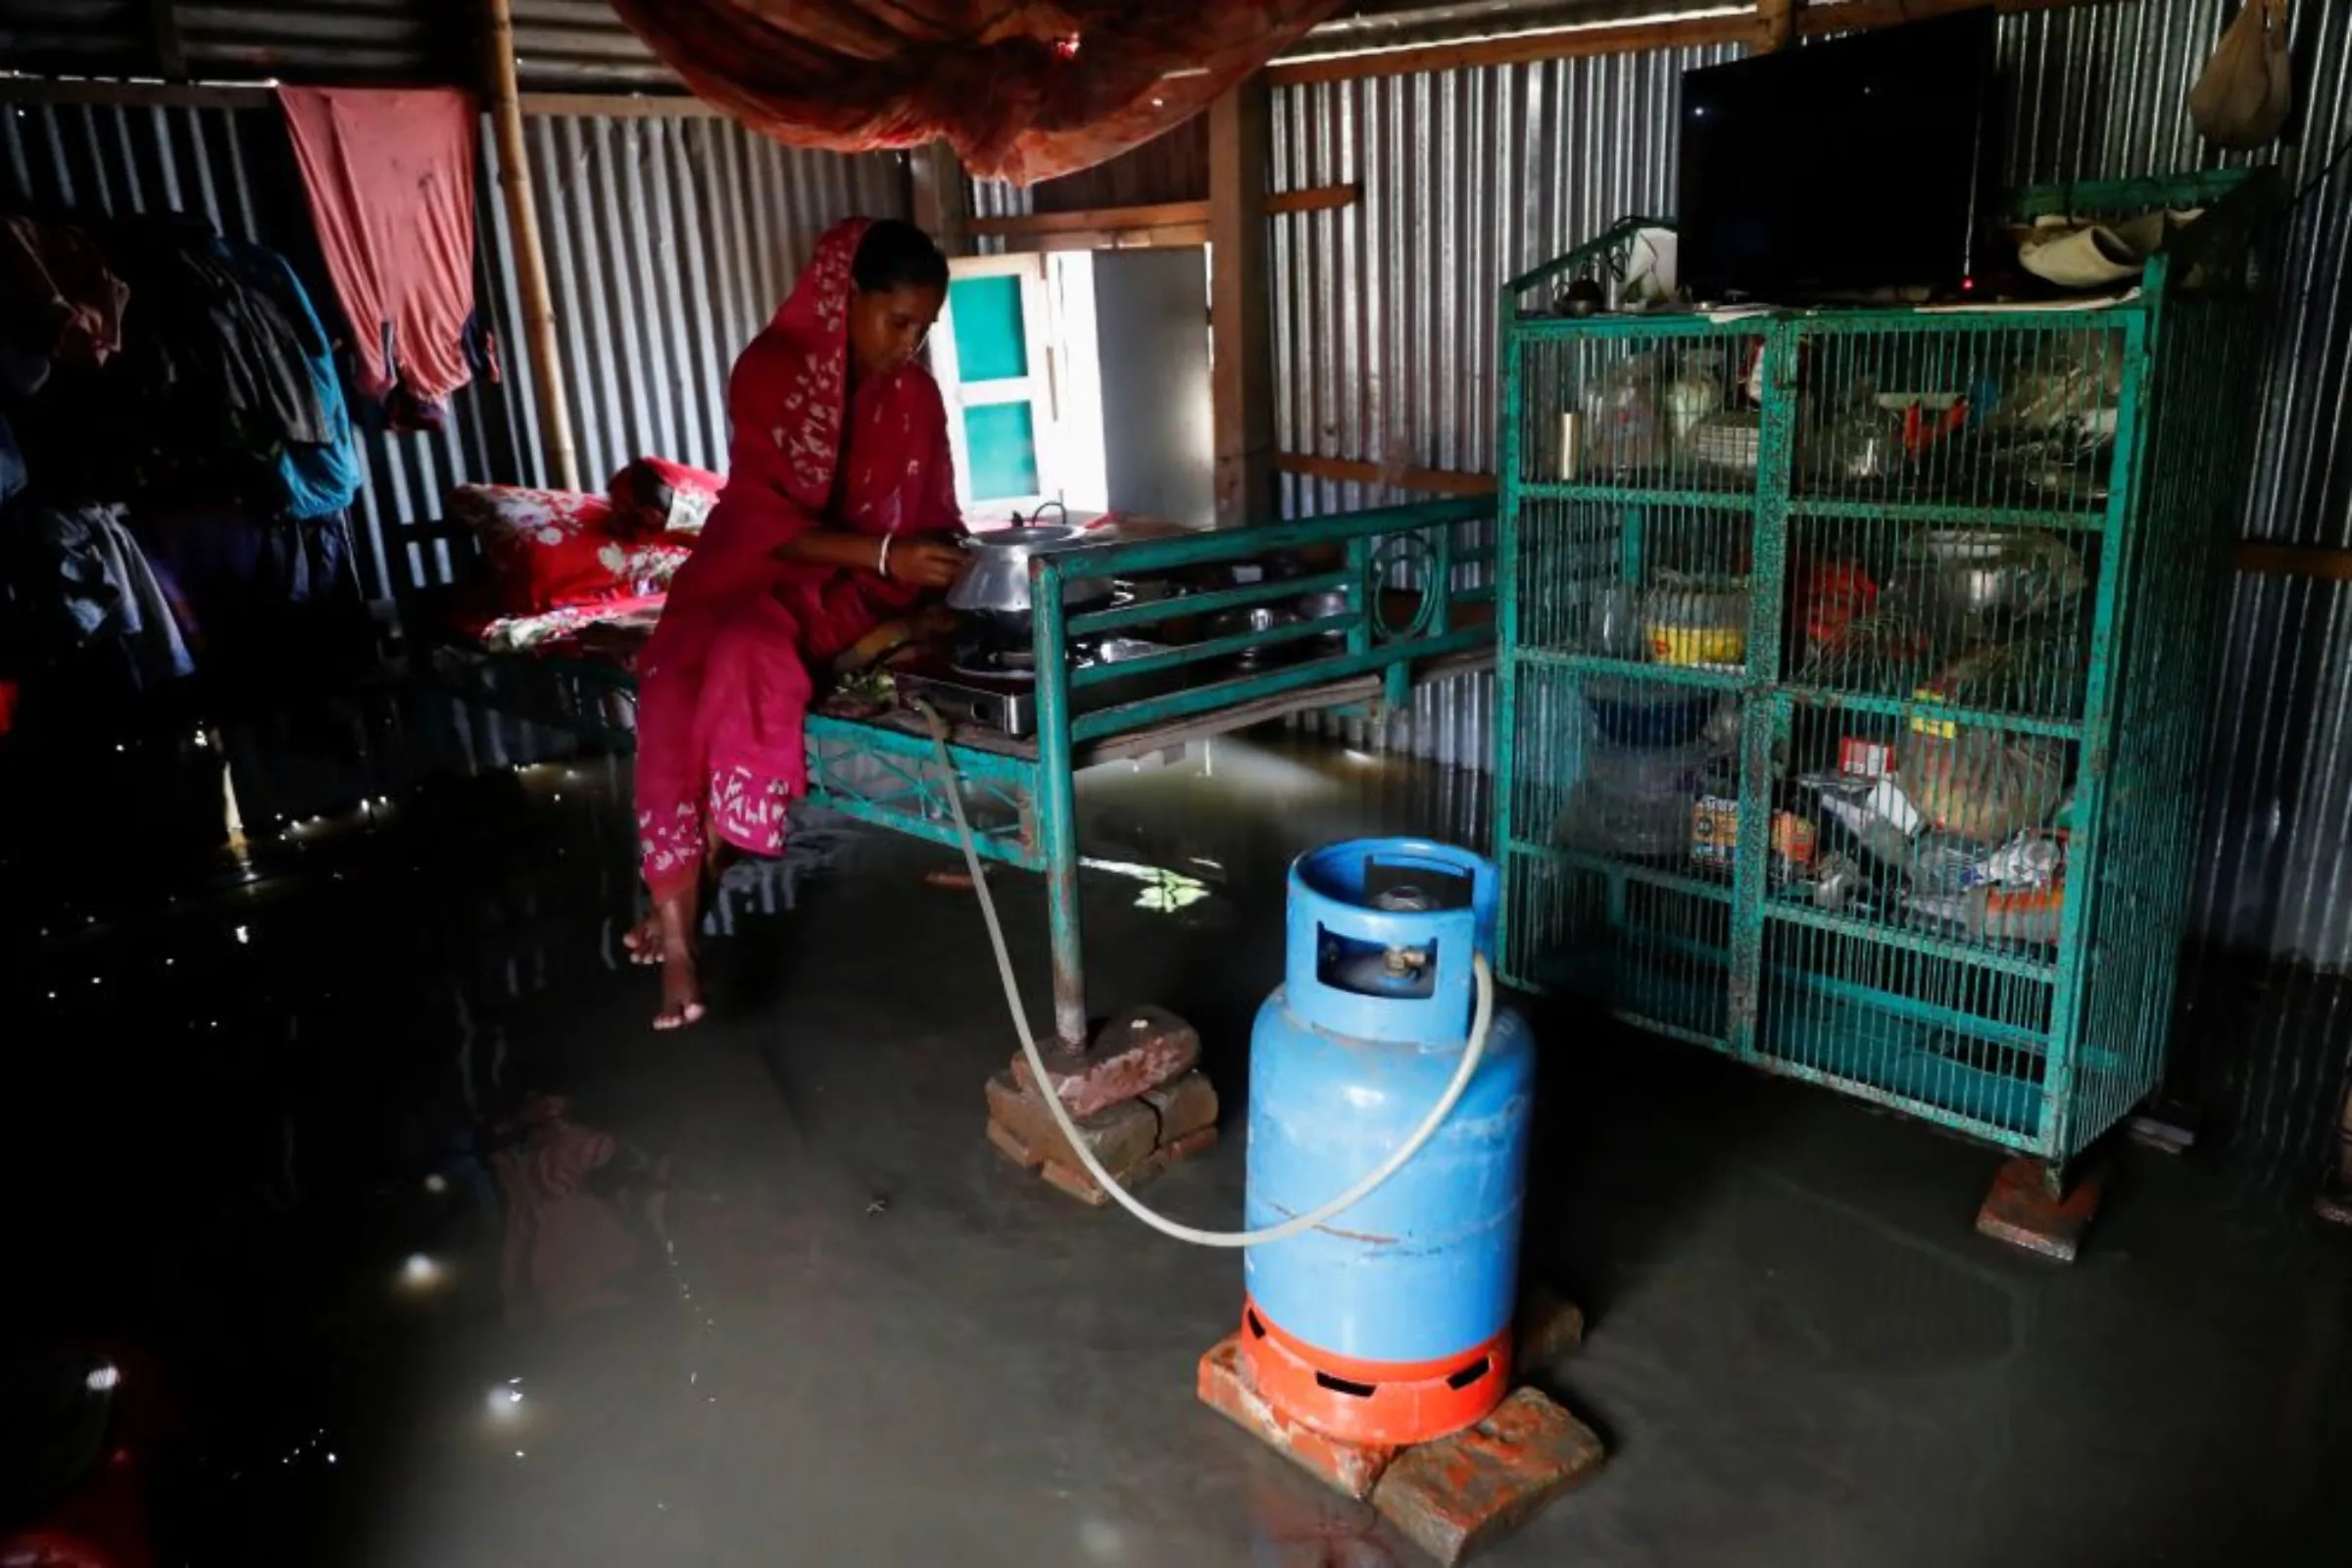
[[1391, 1322]]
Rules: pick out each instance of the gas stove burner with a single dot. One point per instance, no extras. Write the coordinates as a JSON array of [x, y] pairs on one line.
[[982, 663]]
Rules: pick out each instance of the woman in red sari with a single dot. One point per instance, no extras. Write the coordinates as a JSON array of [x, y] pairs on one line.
[[839, 515]]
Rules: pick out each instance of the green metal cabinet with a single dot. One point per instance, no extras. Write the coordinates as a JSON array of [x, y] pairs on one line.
[[1748, 560]]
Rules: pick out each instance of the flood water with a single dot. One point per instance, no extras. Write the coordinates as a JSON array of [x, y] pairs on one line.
[[337, 1123]]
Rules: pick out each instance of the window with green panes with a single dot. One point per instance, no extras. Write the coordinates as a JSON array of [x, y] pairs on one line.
[[993, 373]]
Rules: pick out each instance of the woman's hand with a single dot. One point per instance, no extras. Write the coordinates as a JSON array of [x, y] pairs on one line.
[[925, 562]]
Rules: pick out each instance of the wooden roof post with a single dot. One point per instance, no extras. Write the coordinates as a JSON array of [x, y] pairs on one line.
[[1775, 24], [1242, 368], [530, 261], [171, 48]]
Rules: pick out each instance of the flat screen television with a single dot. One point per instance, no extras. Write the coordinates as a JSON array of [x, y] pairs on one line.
[[1841, 168]]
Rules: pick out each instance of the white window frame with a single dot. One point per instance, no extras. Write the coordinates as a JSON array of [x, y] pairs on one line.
[[1039, 388]]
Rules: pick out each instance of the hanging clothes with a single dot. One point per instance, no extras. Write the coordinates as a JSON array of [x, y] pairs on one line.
[[82, 582], [322, 477], [267, 604], [390, 178], [56, 300], [205, 341], [225, 385]]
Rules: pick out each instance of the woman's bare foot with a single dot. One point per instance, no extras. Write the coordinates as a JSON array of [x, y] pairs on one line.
[[644, 941], [681, 992], [681, 983]]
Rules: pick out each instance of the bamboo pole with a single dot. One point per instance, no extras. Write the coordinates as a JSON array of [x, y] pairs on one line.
[[530, 261]]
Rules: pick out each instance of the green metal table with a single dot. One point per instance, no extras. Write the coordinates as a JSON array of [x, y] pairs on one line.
[[1418, 590]]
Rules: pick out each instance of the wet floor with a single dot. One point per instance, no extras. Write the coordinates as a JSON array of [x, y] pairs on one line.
[[262, 1109]]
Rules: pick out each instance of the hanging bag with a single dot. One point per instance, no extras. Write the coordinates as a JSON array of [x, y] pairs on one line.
[[2242, 98]]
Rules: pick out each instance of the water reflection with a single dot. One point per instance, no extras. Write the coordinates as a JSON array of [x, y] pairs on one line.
[[363, 1138]]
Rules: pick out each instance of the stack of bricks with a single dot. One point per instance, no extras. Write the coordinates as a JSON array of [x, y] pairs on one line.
[[1137, 1093], [1457, 1495]]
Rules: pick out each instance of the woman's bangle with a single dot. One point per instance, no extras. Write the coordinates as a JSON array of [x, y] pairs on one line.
[[882, 558]]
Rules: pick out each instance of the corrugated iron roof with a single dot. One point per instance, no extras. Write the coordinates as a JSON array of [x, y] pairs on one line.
[[560, 45]]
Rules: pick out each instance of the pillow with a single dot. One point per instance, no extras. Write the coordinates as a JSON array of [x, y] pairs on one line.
[[556, 549], [654, 496]]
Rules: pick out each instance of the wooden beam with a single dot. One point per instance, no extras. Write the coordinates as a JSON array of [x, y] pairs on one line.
[[1171, 222], [1632, 37], [530, 263], [1168, 237], [1240, 307], [1564, 43], [170, 48], [1093, 220], [1814, 19], [133, 94], [1314, 199], [1775, 24], [1351, 471], [621, 105], [2259, 558], [942, 203]]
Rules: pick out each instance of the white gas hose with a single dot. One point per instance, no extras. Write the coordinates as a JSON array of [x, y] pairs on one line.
[[1372, 1180]]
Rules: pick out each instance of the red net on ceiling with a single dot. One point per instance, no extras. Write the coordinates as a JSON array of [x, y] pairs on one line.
[[1022, 89]]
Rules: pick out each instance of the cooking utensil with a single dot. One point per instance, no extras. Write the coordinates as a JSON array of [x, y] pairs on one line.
[[1329, 605], [997, 580], [1255, 619], [1996, 571], [992, 597]]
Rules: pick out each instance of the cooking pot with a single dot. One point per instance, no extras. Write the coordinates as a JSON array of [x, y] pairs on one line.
[[997, 583]]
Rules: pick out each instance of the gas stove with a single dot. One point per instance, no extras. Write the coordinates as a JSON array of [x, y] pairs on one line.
[[990, 692], [998, 689]]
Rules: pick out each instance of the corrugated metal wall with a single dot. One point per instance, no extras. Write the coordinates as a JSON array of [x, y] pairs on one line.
[[1384, 310], [1385, 338], [669, 241], [560, 45], [2109, 84]]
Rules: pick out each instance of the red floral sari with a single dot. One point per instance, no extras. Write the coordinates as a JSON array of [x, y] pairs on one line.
[[724, 683]]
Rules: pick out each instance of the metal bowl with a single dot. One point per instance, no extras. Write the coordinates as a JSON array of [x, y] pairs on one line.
[[1243, 622], [1327, 605], [1991, 571]]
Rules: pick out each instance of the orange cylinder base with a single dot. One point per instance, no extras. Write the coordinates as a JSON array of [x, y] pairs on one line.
[[1391, 1403]]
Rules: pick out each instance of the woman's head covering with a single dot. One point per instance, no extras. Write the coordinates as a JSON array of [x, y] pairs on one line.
[[802, 360]]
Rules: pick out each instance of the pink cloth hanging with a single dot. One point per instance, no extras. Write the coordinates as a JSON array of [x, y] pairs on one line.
[[390, 178]]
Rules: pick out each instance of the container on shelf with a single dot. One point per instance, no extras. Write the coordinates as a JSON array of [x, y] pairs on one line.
[[1697, 621]]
